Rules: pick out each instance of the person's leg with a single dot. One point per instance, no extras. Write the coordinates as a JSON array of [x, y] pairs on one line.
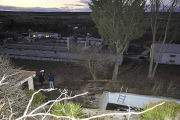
[[52, 84], [41, 84]]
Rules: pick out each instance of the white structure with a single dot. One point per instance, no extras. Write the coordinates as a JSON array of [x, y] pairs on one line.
[[46, 55], [41, 35], [134, 100], [171, 54], [71, 42], [28, 77], [52, 51]]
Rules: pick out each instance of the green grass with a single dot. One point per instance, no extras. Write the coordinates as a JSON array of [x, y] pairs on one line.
[[169, 109], [39, 98]]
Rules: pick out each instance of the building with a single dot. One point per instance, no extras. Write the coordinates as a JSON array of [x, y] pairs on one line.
[[171, 53], [59, 50], [27, 77], [41, 35]]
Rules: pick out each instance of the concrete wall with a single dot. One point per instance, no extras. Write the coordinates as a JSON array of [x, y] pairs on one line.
[[136, 100], [104, 101], [46, 55], [95, 112], [30, 82], [36, 47], [71, 43], [168, 59]]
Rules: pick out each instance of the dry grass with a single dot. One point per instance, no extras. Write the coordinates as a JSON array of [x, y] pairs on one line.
[[132, 74], [176, 118]]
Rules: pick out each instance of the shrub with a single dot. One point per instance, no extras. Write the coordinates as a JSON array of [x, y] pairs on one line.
[[70, 109], [87, 78], [39, 98], [168, 109]]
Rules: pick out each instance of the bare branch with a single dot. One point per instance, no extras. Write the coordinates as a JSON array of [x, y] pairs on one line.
[[30, 101], [3, 78], [64, 92]]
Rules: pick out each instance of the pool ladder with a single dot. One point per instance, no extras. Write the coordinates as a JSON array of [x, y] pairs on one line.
[[121, 97]]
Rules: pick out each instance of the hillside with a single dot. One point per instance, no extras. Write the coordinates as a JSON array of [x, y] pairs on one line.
[[132, 74]]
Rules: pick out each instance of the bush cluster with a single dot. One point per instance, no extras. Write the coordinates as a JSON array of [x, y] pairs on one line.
[[39, 98], [169, 109], [67, 109]]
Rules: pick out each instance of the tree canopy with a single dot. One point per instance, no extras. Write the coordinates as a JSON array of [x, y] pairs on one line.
[[119, 22]]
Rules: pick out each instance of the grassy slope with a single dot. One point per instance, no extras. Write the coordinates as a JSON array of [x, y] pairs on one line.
[[132, 74]]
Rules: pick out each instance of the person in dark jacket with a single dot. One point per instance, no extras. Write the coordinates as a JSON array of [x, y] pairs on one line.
[[41, 78], [51, 80]]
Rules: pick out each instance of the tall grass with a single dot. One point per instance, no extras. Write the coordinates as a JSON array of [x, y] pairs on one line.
[[168, 110]]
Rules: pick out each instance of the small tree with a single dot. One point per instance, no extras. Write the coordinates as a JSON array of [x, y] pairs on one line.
[[119, 22], [162, 21], [94, 60]]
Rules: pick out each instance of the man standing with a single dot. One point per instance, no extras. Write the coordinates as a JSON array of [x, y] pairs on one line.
[[51, 80], [41, 77]]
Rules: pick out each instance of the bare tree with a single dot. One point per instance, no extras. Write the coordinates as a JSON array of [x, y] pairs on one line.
[[164, 29], [93, 59], [11, 95]]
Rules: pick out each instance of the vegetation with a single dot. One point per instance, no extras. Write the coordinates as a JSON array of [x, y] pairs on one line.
[[87, 78], [58, 22], [7, 35], [119, 22], [11, 95], [169, 109], [164, 29], [133, 75], [97, 62], [68, 109], [38, 98]]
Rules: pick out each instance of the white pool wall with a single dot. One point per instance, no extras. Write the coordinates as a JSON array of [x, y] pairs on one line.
[[133, 100]]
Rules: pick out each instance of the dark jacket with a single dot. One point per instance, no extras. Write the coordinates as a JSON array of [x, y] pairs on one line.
[[41, 78], [51, 78]]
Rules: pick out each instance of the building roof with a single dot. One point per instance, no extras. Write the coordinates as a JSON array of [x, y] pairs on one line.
[[24, 75], [172, 48], [27, 74], [43, 33]]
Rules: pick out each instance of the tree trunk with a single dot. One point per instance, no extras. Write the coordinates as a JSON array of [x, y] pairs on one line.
[[95, 77], [157, 62], [150, 70], [151, 63], [152, 49], [154, 70], [92, 71], [116, 67], [119, 52]]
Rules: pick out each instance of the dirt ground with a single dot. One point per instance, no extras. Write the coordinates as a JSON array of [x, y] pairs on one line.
[[132, 74]]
